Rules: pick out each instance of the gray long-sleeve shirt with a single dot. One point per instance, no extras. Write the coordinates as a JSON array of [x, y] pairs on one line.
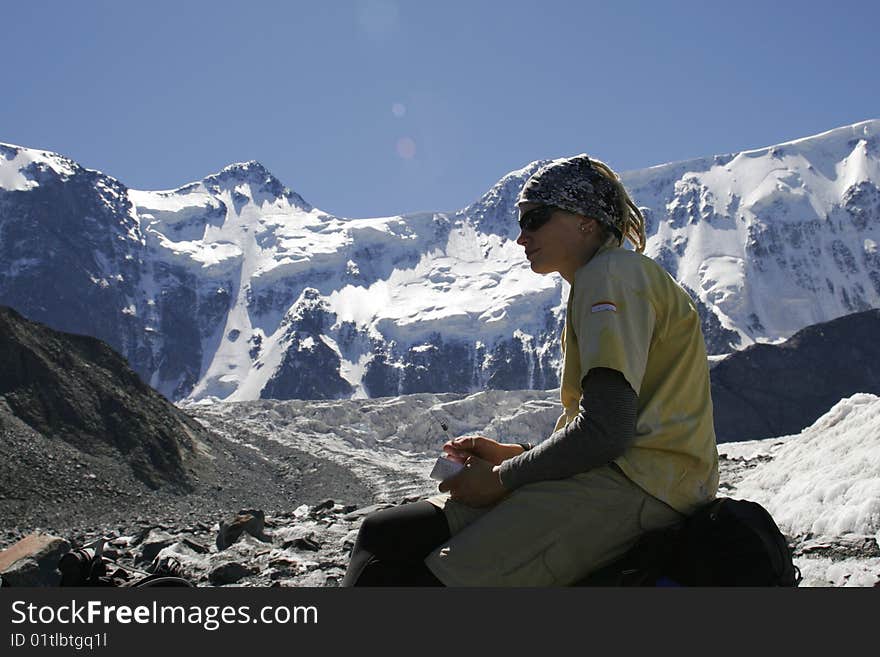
[[603, 430]]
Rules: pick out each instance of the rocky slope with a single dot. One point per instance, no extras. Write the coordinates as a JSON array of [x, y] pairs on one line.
[[76, 389], [82, 437], [776, 390]]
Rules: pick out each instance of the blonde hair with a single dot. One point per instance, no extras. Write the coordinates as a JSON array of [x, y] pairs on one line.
[[632, 222]]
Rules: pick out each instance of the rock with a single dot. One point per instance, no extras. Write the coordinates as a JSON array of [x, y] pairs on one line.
[[320, 507], [138, 538], [229, 573], [251, 521], [154, 542], [315, 578], [841, 547], [183, 560], [349, 539], [194, 546], [33, 561], [283, 562], [307, 543], [24, 572], [282, 567]]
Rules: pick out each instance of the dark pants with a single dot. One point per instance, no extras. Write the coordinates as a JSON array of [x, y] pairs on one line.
[[392, 544]]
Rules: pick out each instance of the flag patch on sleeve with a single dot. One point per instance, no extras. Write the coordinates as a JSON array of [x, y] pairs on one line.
[[603, 306]]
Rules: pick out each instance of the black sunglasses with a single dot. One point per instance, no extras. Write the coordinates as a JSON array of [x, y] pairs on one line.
[[536, 217]]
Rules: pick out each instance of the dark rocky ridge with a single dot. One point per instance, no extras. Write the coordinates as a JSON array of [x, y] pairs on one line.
[[82, 437], [77, 389], [775, 390]]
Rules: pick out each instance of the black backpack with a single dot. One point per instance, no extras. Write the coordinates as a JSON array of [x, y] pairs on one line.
[[727, 542]]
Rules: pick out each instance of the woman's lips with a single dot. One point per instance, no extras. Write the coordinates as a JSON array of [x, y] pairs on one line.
[[529, 254]]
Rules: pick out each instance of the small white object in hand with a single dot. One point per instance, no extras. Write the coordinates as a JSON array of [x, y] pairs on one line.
[[445, 468]]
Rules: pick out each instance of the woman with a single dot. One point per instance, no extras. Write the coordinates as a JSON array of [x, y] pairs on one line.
[[634, 449]]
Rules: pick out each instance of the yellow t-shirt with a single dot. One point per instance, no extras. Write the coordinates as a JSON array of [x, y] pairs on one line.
[[626, 313]]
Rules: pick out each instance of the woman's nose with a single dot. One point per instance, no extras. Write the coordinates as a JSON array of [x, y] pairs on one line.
[[521, 238]]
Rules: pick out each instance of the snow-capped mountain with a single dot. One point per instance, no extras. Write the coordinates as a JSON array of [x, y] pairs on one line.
[[235, 288], [772, 239]]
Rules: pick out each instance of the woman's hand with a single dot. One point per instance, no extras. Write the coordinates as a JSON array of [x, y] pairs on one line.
[[460, 449], [478, 484]]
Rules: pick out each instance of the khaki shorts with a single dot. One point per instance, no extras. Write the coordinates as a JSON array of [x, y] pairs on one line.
[[550, 533]]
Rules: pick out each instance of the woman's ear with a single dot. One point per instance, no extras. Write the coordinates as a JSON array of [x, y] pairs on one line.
[[588, 225]]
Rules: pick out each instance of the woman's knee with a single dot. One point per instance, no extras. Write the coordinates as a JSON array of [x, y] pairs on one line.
[[407, 531], [375, 529]]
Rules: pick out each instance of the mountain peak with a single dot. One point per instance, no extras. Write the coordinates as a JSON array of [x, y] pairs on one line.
[[251, 171], [260, 179], [22, 168], [494, 210], [250, 167]]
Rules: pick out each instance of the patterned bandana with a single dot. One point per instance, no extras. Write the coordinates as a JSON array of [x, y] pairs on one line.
[[574, 185]]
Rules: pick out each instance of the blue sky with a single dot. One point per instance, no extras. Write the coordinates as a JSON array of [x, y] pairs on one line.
[[375, 107]]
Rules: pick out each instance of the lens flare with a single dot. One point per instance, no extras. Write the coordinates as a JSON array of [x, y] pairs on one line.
[[406, 148]]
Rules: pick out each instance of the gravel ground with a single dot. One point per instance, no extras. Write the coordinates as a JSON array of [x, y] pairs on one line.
[[313, 507], [47, 485]]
